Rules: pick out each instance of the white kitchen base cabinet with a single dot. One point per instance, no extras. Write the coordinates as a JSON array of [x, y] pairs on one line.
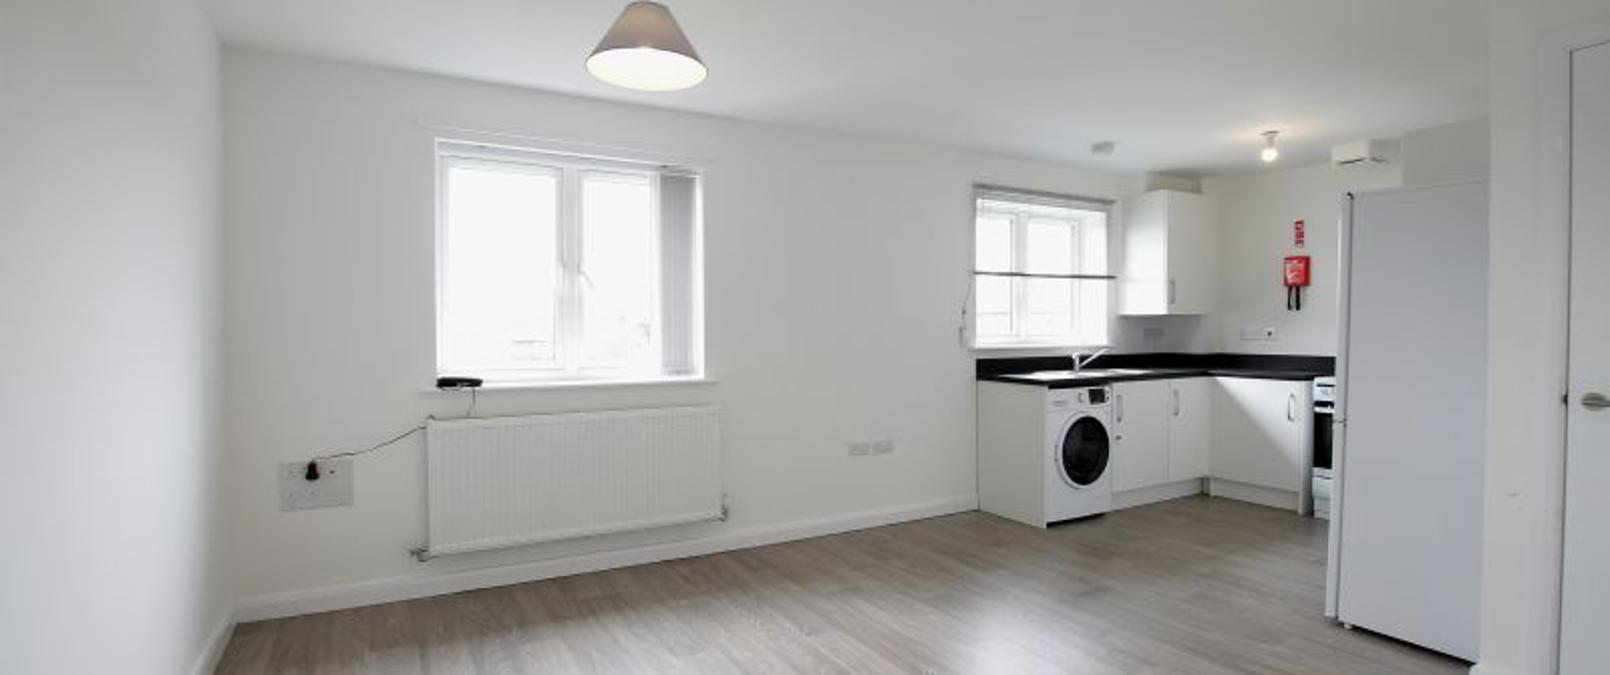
[[1239, 438], [1262, 432], [1141, 413], [1163, 432], [1190, 428]]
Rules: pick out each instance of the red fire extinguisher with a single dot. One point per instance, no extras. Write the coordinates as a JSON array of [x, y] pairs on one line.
[[1296, 276]]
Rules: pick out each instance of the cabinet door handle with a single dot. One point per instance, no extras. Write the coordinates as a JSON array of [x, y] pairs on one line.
[[1291, 407], [1171, 294], [1176, 403], [1595, 401], [1119, 407]]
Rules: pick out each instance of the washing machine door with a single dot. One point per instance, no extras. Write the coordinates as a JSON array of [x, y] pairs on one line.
[[1086, 450]]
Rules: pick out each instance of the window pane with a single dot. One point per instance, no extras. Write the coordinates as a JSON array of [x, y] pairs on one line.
[[1090, 306], [619, 273], [993, 300], [1049, 246], [1049, 307], [1093, 244], [993, 250], [499, 268]]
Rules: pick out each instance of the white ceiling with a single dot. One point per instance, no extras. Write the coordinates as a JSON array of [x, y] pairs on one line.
[[1181, 85]]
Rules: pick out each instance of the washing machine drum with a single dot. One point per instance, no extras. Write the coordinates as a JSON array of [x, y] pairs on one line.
[[1085, 451]]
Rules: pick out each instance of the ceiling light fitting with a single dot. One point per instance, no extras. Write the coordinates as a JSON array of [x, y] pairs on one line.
[[645, 50], [1270, 152]]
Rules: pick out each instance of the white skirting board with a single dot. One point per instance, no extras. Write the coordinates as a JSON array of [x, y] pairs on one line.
[[393, 589], [1256, 494], [213, 651], [1156, 493], [1217, 487]]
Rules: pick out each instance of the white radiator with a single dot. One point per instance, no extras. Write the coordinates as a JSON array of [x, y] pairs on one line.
[[511, 481]]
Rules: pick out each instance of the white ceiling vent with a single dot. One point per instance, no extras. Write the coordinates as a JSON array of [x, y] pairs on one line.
[[1359, 152]]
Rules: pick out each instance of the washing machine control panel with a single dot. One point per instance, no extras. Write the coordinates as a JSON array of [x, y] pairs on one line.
[[1062, 399]]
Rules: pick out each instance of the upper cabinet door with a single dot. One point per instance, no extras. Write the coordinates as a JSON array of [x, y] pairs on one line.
[[1192, 253], [1170, 262], [1190, 431]]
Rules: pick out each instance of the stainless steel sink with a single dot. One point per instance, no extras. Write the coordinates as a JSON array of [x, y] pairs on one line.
[[1049, 375]]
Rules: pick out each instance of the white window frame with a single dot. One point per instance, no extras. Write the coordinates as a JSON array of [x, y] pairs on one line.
[[570, 366], [1017, 207]]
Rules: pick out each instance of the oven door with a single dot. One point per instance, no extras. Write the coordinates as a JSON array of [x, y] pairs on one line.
[[1324, 415]]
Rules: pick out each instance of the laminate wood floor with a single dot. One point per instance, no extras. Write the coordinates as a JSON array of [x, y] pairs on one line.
[[1198, 585]]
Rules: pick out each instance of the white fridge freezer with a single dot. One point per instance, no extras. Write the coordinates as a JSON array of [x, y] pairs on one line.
[[1411, 416]]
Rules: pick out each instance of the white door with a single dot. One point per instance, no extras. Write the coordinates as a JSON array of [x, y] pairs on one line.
[[1145, 278], [1585, 603], [1191, 243], [1258, 432], [1189, 431], [1140, 454]]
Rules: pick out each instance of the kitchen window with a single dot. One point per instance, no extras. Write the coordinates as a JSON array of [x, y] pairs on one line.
[[1040, 270], [554, 268]]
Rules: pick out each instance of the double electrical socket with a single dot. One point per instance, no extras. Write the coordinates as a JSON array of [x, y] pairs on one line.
[[333, 488], [883, 446], [1259, 334]]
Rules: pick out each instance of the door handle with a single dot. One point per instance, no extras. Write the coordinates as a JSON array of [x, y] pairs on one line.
[[1595, 401], [1176, 403], [1119, 408], [1291, 407], [1171, 292]]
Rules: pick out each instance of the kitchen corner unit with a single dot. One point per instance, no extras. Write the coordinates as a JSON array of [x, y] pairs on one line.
[[1234, 426]]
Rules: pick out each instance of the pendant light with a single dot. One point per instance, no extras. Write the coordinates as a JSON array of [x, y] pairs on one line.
[[1270, 152], [645, 50]]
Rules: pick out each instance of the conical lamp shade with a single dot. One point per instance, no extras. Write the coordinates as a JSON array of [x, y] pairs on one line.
[[646, 50]]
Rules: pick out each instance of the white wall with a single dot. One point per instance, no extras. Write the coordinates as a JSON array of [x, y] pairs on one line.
[[108, 261], [836, 271], [1256, 213], [1520, 594], [1449, 153]]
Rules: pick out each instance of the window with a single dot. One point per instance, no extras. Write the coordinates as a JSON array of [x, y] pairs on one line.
[[1040, 270], [553, 268]]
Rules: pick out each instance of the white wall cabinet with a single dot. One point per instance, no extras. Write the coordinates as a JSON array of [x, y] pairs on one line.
[[1261, 432], [1190, 428], [1170, 244], [1141, 414]]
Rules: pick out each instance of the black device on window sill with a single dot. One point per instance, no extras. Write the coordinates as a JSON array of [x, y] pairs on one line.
[[453, 382]]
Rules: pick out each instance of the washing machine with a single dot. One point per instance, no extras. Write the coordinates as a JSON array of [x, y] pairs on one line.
[[1078, 475], [1044, 455]]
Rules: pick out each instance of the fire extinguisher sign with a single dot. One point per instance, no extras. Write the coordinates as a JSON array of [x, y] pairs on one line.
[[1299, 234]]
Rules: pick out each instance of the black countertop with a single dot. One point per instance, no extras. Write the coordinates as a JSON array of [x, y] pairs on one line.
[[1056, 371]]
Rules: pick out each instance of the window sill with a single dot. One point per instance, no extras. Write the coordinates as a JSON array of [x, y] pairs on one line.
[[541, 385]]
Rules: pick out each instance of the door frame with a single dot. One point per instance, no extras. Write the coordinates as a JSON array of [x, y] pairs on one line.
[[1553, 186]]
